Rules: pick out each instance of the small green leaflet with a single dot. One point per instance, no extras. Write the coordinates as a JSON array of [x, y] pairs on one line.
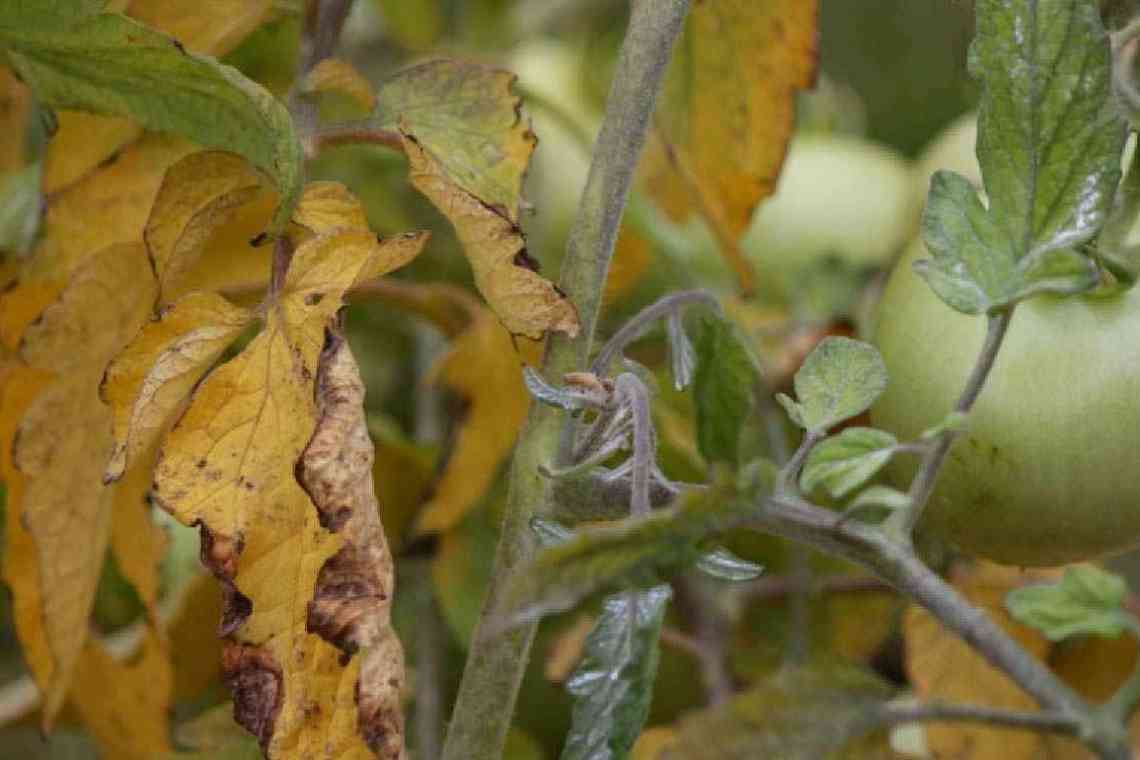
[[878, 499], [723, 389], [108, 63], [1086, 601], [1049, 144], [613, 684], [846, 461], [839, 379]]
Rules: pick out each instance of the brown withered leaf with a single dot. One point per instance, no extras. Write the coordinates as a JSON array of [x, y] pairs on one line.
[[199, 194], [148, 382], [483, 367], [336, 75], [525, 302], [942, 667], [728, 108]]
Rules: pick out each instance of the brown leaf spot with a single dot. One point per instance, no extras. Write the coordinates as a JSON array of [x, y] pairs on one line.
[[380, 726], [254, 679]]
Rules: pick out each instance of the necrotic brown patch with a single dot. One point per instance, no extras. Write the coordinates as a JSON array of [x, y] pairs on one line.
[[254, 679], [347, 596]]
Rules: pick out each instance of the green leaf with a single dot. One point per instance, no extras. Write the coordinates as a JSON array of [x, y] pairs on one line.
[[723, 389], [613, 684], [1086, 601], [839, 379], [723, 565], [108, 63], [846, 461], [1049, 144], [823, 710], [637, 552], [878, 499]]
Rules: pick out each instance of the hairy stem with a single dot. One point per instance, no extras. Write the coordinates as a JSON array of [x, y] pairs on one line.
[[496, 664], [903, 523]]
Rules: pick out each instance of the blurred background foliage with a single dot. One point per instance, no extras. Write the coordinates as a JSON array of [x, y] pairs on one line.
[[892, 79]]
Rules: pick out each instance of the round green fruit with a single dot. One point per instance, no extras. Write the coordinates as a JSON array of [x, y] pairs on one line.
[[1047, 471]]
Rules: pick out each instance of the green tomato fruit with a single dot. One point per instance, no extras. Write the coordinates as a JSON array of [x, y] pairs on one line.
[[1046, 472], [837, 195]]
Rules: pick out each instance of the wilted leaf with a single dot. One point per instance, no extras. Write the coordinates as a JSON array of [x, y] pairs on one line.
[[613, 684], [505, 274], [847, 460], [335, 75], [468, 122], [944, 668], [1086, 601], [108, 63], [728, 107], [723, 389], [819, 711], [1049, 145], [840, 379], [635, 552], [484, 368]]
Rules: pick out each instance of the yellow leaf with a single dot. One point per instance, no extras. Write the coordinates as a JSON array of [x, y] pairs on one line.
[[109, 205], [124, 705], [402, 475], [333, 74], [728, 110], [137, 542], [213, 27], [505, 274], [232, 465], [193, 634], [61, 443], [82, 141], [329, 207], [484, 368], [632, 257], [653, 742], [566, 649], [199, 194], [942, 667], [148, 382]]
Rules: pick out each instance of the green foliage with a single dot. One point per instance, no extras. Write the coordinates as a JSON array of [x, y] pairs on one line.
[[723, 389], [1049, 143], [613, 683], [108, 63], [1086, 601], [846, 461], [879, 499], [839, 379]]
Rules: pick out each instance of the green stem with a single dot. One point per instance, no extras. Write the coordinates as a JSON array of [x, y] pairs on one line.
[[496, 663]]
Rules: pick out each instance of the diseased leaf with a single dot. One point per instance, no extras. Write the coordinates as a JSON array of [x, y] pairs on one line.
[[1049, 144], [465, 117], [149, 381], [335, 75], [728, 108], [825, 710], [847, 460], [838, 380], [635, 552], [505, 274], [483, 367], [723, 389], [110, 64], [613, 684], [1086, 601]]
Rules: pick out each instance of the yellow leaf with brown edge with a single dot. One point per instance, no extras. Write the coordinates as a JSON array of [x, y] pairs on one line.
[[148, 382], [483, 367], [124, 705], [728, 109], [228, 465], [108, 206], [213, 27], [336, 75], [199, 194], [944, 668], [63, 437], [526, 303]]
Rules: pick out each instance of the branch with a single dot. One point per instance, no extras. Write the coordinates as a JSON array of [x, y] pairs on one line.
[[934, 712], [496, 664], [903, 523]]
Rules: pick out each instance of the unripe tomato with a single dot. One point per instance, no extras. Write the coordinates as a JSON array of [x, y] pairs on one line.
[[837, 195], [1048, 471]]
